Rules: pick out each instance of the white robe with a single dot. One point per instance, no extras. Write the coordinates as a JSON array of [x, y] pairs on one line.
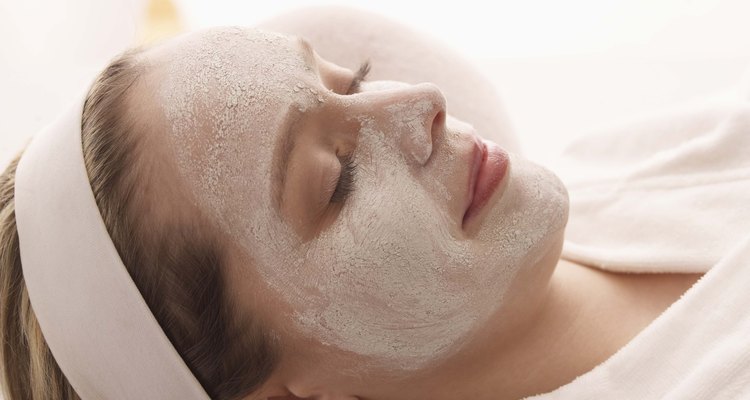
[[669, 193]]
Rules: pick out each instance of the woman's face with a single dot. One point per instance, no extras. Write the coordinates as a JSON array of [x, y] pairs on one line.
[[383, 267]]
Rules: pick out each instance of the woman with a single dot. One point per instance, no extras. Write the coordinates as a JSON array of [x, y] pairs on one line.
[[300, 230]]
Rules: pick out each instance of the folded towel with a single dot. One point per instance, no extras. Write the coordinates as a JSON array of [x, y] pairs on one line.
[[669, 193]]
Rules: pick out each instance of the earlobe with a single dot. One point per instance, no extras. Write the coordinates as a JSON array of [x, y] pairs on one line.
[[279, 393], [314, 394]]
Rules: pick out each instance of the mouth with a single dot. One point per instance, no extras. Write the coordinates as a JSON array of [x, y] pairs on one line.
[[487, 170]]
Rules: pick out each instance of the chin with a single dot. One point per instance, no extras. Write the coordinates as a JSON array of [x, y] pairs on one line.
[[530, 216]]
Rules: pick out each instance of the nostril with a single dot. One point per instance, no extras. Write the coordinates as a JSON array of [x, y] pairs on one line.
[[437, 125], [437, 122]]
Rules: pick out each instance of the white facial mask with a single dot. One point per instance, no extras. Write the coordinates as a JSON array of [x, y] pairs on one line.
[[388, 280]]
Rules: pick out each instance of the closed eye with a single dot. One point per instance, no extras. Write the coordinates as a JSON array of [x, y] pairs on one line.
[[345, 184]]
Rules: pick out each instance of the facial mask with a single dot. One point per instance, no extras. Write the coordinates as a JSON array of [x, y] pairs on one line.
[[388, 280]]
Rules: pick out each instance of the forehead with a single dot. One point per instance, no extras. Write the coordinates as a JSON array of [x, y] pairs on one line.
[[234, 80], [225, 94], [228, 41], [232, 58]]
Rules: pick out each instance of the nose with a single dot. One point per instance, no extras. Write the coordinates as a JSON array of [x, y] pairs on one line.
[[421, 114], [415, 114]]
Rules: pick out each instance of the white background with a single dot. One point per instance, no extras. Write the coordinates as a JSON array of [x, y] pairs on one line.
[[563, 68]]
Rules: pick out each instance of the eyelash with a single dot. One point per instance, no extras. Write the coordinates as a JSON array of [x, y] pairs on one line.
[[345, 185], [359, 77]]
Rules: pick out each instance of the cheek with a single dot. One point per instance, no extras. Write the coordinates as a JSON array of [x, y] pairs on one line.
[[387, 280], [530, 216], [389, 217], [381, 279], [389, 229]]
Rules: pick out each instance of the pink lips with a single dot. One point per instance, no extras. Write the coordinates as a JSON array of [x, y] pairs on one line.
[[488, 170]]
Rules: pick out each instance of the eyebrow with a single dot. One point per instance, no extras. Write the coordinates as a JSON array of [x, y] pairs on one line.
[[288, 140]]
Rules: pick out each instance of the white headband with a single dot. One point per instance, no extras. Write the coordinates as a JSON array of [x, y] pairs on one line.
[[95, 321]]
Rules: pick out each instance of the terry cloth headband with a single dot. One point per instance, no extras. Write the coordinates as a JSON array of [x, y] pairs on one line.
[[95, 321]]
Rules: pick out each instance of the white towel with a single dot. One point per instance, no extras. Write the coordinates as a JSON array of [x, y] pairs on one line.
[[670, 193]]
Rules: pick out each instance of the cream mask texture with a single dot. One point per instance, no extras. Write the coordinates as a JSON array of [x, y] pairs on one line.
[[393, 278]]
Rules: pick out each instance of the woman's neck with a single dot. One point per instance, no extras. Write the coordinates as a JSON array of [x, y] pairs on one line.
[[588, 315]]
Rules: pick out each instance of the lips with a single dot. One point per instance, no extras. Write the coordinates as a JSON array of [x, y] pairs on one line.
[[488, 169]]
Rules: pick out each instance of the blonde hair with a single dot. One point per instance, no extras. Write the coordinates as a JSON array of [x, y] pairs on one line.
[[178, 263]]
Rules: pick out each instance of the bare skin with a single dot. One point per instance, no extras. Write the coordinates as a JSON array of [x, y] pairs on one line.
[[602, 312], [586, 316]]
